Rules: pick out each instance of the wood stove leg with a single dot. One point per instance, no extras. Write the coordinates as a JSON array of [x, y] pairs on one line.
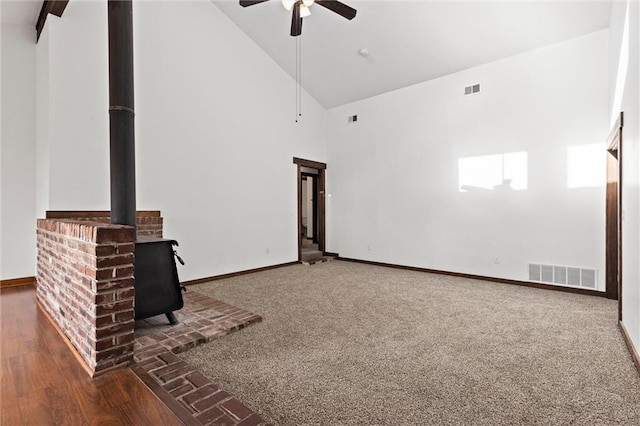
[[172, 318]]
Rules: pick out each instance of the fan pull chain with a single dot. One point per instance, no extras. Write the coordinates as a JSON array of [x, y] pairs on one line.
[[300, 80], [296, 83], [298, 77]]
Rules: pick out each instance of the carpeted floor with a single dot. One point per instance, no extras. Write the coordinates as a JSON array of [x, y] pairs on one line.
[[351, 344]]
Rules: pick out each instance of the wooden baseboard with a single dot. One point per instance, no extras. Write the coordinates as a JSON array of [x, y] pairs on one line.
[[236, 274], [632, 350], [483, 278], [328, 253], [15, 282]]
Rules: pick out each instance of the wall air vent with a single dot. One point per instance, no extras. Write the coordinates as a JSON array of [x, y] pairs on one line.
[[573, 276], [563, 275], [352, 118], [560, 274], [534, 273], [470, 90]]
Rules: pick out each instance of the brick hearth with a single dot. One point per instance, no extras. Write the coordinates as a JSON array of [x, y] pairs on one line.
[[192, 396]]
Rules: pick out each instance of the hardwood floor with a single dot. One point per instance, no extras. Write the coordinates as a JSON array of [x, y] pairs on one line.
[[42, 382]]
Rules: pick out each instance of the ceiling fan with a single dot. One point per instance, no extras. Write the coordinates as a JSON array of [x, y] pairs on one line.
[[301, 9]]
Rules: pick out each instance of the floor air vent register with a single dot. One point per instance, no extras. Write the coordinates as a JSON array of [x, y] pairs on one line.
[[563, 275]]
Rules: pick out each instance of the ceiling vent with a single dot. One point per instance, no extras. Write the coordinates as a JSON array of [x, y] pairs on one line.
[[470, 90], [563, 275]]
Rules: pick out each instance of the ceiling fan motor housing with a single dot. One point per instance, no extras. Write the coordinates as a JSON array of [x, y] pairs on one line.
[[301, 9]]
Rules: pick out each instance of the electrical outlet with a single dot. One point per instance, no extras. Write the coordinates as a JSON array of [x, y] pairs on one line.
[[267, 250], [496, 260]]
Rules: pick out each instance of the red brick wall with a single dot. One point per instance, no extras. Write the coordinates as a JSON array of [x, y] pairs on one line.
[[85, 283], [149, 226], [148, 222]]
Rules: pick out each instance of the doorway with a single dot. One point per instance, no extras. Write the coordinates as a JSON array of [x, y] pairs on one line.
[[613, 288], [311, 208]]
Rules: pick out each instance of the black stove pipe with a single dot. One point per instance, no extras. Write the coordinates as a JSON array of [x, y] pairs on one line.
[[121, 113]]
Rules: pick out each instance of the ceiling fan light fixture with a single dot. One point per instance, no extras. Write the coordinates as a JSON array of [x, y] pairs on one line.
[[304, 11], [301, 9], [288, 4]]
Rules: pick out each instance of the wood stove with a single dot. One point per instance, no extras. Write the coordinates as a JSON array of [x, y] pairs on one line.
[[158, 289]]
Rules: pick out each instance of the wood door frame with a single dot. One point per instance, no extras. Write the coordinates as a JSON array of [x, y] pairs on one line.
[[613, 249], [320, 196]]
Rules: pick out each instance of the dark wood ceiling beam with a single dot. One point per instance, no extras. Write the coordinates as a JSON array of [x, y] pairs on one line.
[[55, 7]]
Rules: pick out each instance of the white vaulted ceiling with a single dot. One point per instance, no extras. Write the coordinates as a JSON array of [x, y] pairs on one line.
[[19, 12], [408, 41]]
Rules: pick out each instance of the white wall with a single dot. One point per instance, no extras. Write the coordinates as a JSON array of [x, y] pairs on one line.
[[42, 121], [78, 108], [215, 131], [17, 152], [216, 137], [628, 90], [213, 114], [393, 175]]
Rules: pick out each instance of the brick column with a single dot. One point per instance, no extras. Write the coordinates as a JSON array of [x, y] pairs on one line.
[[85, 283]]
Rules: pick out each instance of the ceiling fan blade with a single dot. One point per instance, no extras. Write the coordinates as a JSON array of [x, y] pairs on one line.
[[245, 3], [339, 8], [296, 20]]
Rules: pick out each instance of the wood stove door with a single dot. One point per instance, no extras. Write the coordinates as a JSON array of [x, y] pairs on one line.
[[158, 289]]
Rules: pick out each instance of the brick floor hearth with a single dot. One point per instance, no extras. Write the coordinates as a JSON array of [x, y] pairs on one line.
[[188, 393]]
